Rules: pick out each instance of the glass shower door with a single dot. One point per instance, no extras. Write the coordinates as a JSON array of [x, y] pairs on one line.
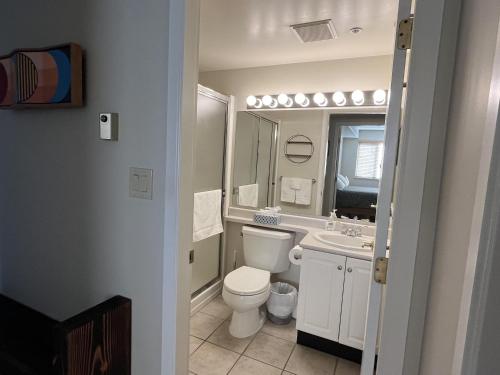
[[210, 136]]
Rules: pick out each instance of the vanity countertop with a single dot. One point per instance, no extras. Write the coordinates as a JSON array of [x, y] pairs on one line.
[[309, 241]]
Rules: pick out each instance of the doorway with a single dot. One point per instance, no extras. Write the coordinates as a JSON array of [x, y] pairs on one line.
[[418, 73]]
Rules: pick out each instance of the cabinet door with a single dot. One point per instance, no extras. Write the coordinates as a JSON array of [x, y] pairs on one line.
[[320, 296], [355, 302]]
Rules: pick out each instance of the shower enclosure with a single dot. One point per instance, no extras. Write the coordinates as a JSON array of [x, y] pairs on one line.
[[254, 158], [209, 167]]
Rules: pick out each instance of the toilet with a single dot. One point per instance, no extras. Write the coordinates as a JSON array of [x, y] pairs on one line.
[[248, 287]]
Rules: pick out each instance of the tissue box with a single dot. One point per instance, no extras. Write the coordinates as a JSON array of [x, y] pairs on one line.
[[267, 219]]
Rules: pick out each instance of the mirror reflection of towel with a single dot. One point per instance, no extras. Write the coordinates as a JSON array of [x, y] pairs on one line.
[[248, 195], [296, 190], [207, 220]]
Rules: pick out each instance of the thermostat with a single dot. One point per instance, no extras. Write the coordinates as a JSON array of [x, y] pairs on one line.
[[108, 126]]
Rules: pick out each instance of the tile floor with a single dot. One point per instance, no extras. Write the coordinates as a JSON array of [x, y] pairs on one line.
[[272, 351]]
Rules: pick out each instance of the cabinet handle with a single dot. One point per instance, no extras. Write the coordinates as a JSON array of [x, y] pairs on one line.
[[339, 268], [349, 269]]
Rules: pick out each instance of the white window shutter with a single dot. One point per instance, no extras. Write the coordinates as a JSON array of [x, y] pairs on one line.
[[369, 160]]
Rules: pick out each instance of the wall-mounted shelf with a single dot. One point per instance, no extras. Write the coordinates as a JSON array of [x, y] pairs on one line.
[[296, 157]]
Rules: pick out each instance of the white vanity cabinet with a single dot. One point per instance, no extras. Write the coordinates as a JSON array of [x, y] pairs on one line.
[[355, 302], [333, 297], [320, 295]]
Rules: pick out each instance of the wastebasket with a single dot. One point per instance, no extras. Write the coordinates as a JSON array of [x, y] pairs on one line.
[[281, 303]]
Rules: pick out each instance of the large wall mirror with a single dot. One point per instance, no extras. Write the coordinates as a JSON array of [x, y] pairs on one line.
[[308, 162], [254, 161]]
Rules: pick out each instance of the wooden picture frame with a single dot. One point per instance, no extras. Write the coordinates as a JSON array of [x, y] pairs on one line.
[[49, 77]]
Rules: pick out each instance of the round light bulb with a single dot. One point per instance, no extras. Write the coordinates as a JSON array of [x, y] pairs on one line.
[[302, 100], [283, 99], [358, 97], [379, 97], [258, 103], [251, 100], [320, 99], [267, 100], [339, 98]]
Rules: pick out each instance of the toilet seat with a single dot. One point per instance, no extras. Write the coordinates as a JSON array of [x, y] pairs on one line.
[[247, 281]]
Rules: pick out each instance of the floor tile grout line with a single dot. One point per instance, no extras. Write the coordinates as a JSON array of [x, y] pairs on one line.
[[234, 364], [290, 356], [199, 346], [265, 363], [335, 367]]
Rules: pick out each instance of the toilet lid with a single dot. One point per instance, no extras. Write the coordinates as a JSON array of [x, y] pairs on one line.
[[247, 281]]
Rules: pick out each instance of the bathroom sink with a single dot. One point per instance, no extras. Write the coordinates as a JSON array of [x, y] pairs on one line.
[[338, 239]]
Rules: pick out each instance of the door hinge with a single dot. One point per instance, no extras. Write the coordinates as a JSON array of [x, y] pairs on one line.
[[405, 30], [380, 274], [191, 256]]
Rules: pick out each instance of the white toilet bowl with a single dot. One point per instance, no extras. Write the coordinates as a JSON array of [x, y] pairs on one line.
[[245, 290]]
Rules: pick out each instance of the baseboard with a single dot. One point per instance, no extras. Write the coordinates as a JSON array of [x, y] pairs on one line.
[[330, 347]]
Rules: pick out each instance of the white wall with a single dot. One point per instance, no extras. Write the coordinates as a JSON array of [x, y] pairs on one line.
[[70, 235], [310, 124], [367, 73], [464, 139]]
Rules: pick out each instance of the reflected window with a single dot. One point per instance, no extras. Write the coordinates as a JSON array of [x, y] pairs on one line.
[[369, 160]]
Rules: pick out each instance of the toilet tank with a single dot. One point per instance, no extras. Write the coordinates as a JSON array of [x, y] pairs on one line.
[[267, 249]]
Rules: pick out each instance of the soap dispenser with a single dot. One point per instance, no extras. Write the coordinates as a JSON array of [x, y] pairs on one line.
[[330, 224]]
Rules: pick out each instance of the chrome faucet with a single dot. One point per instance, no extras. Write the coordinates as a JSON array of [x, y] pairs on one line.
[[370, 244], [351, 231]]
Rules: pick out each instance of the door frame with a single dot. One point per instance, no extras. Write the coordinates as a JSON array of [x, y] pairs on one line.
[[484, 237], [429, 87], [418, 182]]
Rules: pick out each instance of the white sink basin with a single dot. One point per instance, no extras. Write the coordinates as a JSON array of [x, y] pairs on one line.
[[343, 241]]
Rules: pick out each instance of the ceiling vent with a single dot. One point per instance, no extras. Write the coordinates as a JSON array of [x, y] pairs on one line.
[[315, 31]]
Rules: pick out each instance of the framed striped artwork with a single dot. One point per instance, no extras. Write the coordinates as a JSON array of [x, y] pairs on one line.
[[42, 78]]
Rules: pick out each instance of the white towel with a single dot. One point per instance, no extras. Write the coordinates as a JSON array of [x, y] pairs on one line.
[[288, 188], [303, 195], [207, 219], [248, 195], [296, 190]]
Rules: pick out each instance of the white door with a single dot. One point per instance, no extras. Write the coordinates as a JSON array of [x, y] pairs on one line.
[[320, 297], [354, 303], [392, 128]]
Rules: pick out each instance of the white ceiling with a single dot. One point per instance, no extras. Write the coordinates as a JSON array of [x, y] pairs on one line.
[[249, 33]]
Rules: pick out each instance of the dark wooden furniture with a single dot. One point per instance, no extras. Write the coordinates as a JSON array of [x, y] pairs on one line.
[[95, 342], [353, 203]]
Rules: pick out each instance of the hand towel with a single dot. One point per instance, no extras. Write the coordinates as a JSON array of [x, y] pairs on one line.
[[207, 219], [248, 195], [289, 186], [303, 194]]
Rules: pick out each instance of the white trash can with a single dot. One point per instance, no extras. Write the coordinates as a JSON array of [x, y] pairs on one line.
[[281, 303]]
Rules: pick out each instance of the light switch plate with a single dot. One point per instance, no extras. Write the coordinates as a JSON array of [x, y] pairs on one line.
[[141, 183]]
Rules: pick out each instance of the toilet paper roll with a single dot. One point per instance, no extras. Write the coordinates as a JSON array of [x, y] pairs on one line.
[[295, 255]]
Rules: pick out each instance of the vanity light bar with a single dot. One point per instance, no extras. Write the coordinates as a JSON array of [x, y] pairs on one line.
[[356, 98]]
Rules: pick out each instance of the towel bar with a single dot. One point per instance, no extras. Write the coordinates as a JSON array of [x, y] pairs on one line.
[[313, 179]]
